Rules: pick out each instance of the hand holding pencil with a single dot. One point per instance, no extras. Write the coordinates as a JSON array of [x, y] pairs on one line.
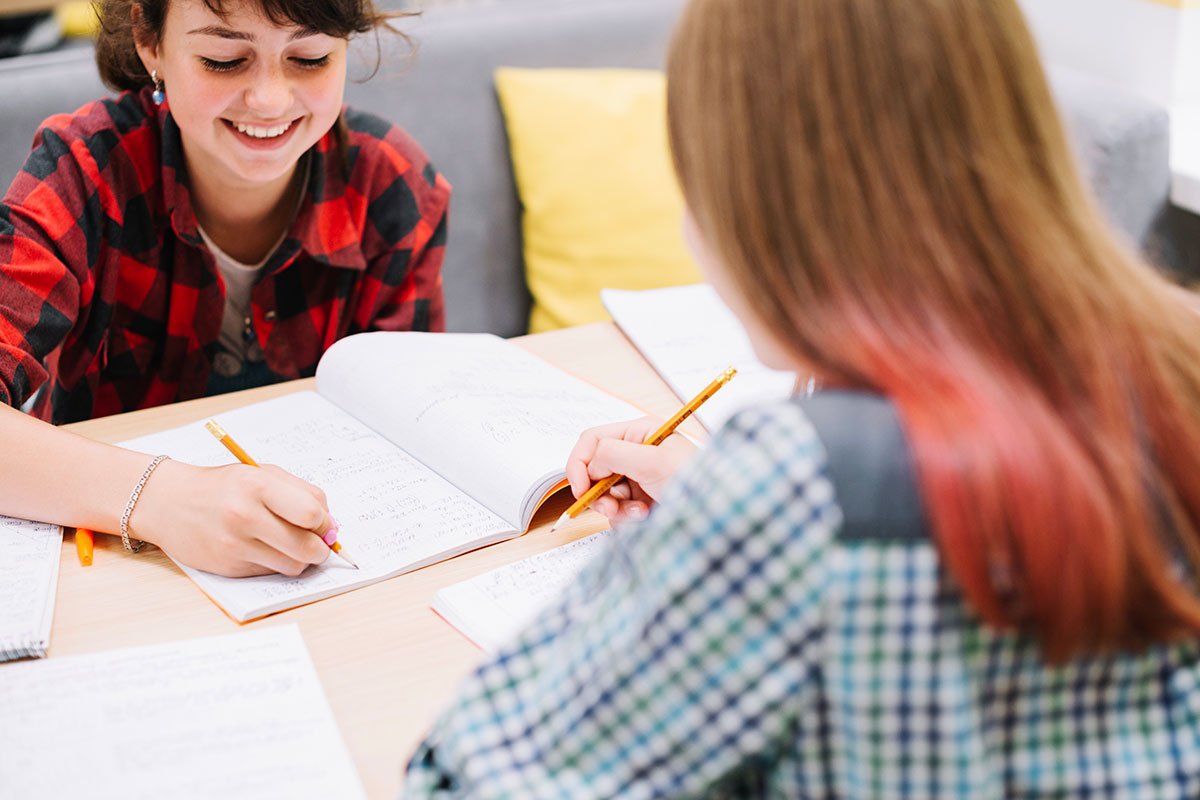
[[620, 469], [328, 529]]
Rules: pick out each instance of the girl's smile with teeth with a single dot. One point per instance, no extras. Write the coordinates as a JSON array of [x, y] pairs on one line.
[[263, 138], [261, 132], [250, 96]]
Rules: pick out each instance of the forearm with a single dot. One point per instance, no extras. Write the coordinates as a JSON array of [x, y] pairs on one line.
[[54, 475]]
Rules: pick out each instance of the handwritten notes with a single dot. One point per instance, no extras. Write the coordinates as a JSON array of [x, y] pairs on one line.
[[493, 419], [29, 555], [492, 608], [689, 336], [395, 513], [427, 445], [239, 716]]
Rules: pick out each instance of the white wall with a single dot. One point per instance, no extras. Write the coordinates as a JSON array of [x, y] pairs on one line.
[[1150, 46], [1187, 64]]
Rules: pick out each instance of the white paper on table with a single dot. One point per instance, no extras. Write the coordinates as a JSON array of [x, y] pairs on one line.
[[396, 513], [427, 446], [492, 608], [229, 717], [690, 337]]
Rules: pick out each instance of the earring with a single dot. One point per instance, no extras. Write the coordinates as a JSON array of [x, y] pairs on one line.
[[158, 95]]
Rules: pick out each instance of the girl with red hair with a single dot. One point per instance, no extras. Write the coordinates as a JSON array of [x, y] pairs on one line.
[[967, 567]]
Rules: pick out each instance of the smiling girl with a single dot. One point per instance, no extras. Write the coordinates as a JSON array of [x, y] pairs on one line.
[[215, 227]]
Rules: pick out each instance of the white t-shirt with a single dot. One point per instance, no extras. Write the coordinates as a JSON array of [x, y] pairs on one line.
[[237, 332]]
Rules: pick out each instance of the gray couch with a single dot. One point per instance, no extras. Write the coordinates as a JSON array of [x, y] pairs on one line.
[[443, 94]]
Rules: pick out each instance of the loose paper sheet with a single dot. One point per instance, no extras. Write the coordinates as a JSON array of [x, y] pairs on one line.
[[689, 336], [238, 716], [492, 608]]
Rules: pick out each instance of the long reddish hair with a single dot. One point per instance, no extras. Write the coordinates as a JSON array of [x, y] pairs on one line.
[[890, 189]]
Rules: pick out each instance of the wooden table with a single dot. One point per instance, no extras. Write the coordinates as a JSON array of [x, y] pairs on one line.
[[388, 662]]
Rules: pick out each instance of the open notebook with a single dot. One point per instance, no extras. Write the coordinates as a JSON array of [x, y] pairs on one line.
[[427, 445], [492, 608], [689, 336], [234, 716], [29, 554]]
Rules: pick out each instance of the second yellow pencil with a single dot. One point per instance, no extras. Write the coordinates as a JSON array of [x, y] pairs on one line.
[[658, 437]]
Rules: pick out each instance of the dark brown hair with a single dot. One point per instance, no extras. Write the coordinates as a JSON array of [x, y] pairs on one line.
[[121, 68], [890, 189]]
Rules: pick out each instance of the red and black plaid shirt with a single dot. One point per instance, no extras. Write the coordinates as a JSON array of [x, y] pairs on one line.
[[108, 291]]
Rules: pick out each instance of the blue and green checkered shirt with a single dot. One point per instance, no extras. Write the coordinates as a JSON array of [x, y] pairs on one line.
[[735, 645]]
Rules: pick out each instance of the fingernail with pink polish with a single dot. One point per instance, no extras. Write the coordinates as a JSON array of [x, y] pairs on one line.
[[331, 535]]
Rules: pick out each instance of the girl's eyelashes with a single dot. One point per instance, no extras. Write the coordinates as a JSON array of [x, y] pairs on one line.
[[213, 65], [312, 63]]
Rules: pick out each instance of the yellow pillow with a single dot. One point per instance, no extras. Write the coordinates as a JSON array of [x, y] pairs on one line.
[[601, 204], [78, 19]]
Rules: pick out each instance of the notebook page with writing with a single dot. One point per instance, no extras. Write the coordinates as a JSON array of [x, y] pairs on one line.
[[29, 556], [492, 608], [235, 716], [689, 336], [395, 513], [491, 418]]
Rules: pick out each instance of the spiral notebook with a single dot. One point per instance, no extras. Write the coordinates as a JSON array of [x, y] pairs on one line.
[[29, 553]]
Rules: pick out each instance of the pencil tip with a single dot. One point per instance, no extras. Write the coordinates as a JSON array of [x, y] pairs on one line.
[[563, 520]]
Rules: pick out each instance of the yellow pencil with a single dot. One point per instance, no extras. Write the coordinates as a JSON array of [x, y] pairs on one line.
[[244, 457], [660, 435]]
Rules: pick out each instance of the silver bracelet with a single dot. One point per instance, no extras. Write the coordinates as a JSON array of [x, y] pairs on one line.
[[133, 498]]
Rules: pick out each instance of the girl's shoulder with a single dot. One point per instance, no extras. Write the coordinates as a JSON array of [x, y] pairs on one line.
[[114, 142], [855, 439], [762, 426], [108, 124], [383, 162], [380, 146], [762, 448]]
